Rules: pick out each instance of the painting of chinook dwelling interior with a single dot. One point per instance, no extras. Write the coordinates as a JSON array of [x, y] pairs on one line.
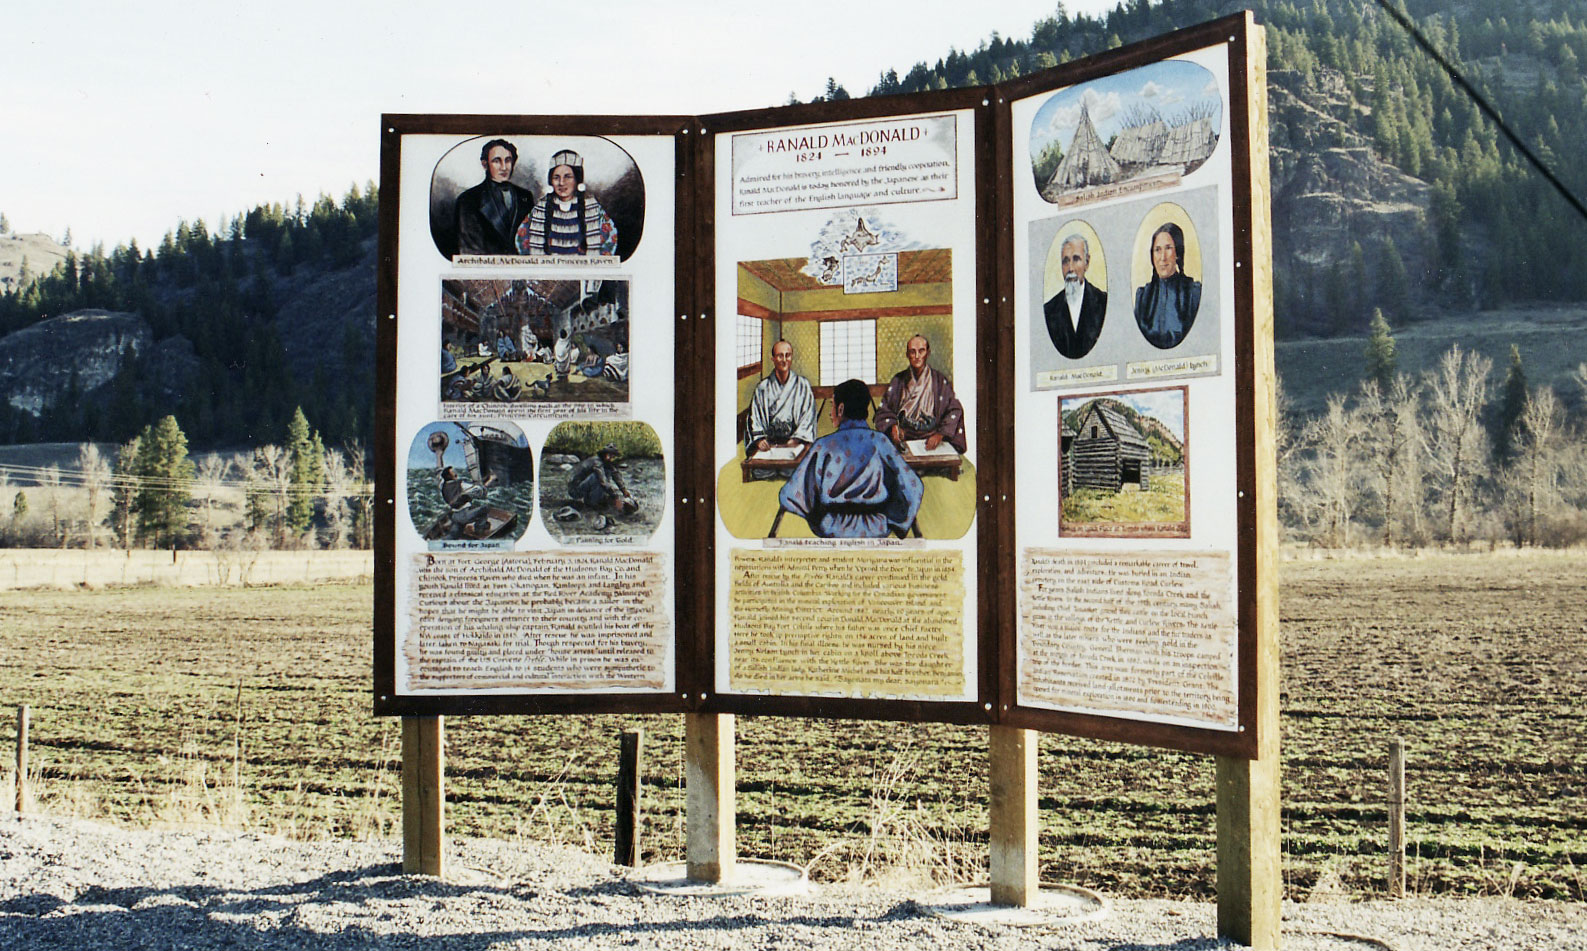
[[1136, 131], [513, 342], [1124, 465]]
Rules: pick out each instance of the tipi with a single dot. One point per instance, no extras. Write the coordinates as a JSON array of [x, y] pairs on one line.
[[1087, 162]]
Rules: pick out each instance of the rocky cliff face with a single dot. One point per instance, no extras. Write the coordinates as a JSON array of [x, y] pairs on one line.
[[1330, 190], [79, 354]]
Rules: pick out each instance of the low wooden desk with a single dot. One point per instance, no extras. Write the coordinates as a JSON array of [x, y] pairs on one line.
[[949, 466]]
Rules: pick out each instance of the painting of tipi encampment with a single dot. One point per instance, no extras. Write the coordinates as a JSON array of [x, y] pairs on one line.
[[1139, 130]]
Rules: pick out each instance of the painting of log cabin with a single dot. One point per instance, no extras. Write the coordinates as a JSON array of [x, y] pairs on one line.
[[1140, 130], [1123, 465]]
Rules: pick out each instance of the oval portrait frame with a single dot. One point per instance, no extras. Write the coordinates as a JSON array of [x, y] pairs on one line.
[[504, 511], [1141, 269], [610, 174], [1096, 275], [575, 521]]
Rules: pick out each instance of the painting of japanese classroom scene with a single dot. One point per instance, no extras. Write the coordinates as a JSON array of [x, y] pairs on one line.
[[507, 343], [847, 422], [1123, 465], [602, 482], [470, 484]]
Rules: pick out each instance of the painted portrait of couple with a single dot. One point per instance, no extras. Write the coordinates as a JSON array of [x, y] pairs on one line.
[[537, 196], [1166, 299]]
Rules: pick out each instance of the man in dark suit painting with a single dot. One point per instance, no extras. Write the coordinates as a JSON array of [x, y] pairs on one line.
[[1074, 314], [489, 213]]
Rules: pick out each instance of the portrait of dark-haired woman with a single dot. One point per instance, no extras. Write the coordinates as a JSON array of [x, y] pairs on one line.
[[1165, 306]]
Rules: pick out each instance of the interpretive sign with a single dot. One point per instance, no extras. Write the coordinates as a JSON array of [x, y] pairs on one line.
[[1138, 258], [847, 277], [952, 406]]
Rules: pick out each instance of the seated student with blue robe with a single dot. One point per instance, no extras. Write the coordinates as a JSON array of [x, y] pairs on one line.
[[853, 483]]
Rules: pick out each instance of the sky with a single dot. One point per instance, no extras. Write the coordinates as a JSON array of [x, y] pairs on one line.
[[1166, 88], [122, 119]]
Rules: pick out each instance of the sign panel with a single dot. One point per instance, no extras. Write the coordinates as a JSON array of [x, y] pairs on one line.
[[846, 278], [531, 424], [1132, 304], [953, 406]]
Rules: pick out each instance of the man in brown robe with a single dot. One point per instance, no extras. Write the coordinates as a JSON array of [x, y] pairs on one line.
[[919, 403]]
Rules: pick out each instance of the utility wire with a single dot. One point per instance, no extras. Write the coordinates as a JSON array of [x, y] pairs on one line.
[[41, 476], [1483, 104]]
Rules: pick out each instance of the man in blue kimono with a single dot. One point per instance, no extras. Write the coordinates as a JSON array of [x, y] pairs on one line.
[[853, 483]]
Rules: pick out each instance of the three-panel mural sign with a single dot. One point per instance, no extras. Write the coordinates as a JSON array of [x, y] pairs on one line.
[[947, 406]]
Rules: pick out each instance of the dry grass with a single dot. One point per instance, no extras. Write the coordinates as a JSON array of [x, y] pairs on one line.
[[901, 844]]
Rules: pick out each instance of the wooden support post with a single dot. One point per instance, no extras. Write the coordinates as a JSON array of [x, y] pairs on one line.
[[709, 779], [423, 796], [22, 758], [1397, 818], [1250, 883], [1014, 820], [629, 770]]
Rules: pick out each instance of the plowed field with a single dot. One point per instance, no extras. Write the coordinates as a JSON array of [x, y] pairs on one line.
[[251, 707]]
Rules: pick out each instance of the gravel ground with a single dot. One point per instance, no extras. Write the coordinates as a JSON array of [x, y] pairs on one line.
[[68, 883]]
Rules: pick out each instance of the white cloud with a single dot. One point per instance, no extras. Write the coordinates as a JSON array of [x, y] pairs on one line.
[[1101, 108]]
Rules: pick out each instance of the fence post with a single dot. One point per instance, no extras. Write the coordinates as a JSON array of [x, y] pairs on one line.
[[1013, 817], [709, 780], [423, 796], [22, 758], [1397, 818], [629, 771]]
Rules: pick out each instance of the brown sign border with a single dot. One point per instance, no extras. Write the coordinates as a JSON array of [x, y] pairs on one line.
[[694, 417]]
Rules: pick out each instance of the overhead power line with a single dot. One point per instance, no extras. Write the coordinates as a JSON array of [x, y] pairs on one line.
[[1482, 103]]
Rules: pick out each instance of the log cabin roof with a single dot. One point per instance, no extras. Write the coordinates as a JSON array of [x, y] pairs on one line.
[[1118, 427]]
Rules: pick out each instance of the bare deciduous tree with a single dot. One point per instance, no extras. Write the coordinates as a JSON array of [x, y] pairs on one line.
[[95, 473], [212, 472], [337, 481], [270, 490], [1532, 481], [1456, 443], [50, 481], [1333, 469], [1391, 447]]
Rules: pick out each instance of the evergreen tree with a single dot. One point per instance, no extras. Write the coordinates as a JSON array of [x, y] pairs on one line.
[[1394, 286], [165, 481], [307, 460], [1382, 360], [1512, 407]]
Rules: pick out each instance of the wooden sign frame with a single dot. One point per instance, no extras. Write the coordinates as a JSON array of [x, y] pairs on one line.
[[692, 502], [1253, 504]]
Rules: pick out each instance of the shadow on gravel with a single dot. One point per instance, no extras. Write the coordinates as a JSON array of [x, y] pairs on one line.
[[371, 906]]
